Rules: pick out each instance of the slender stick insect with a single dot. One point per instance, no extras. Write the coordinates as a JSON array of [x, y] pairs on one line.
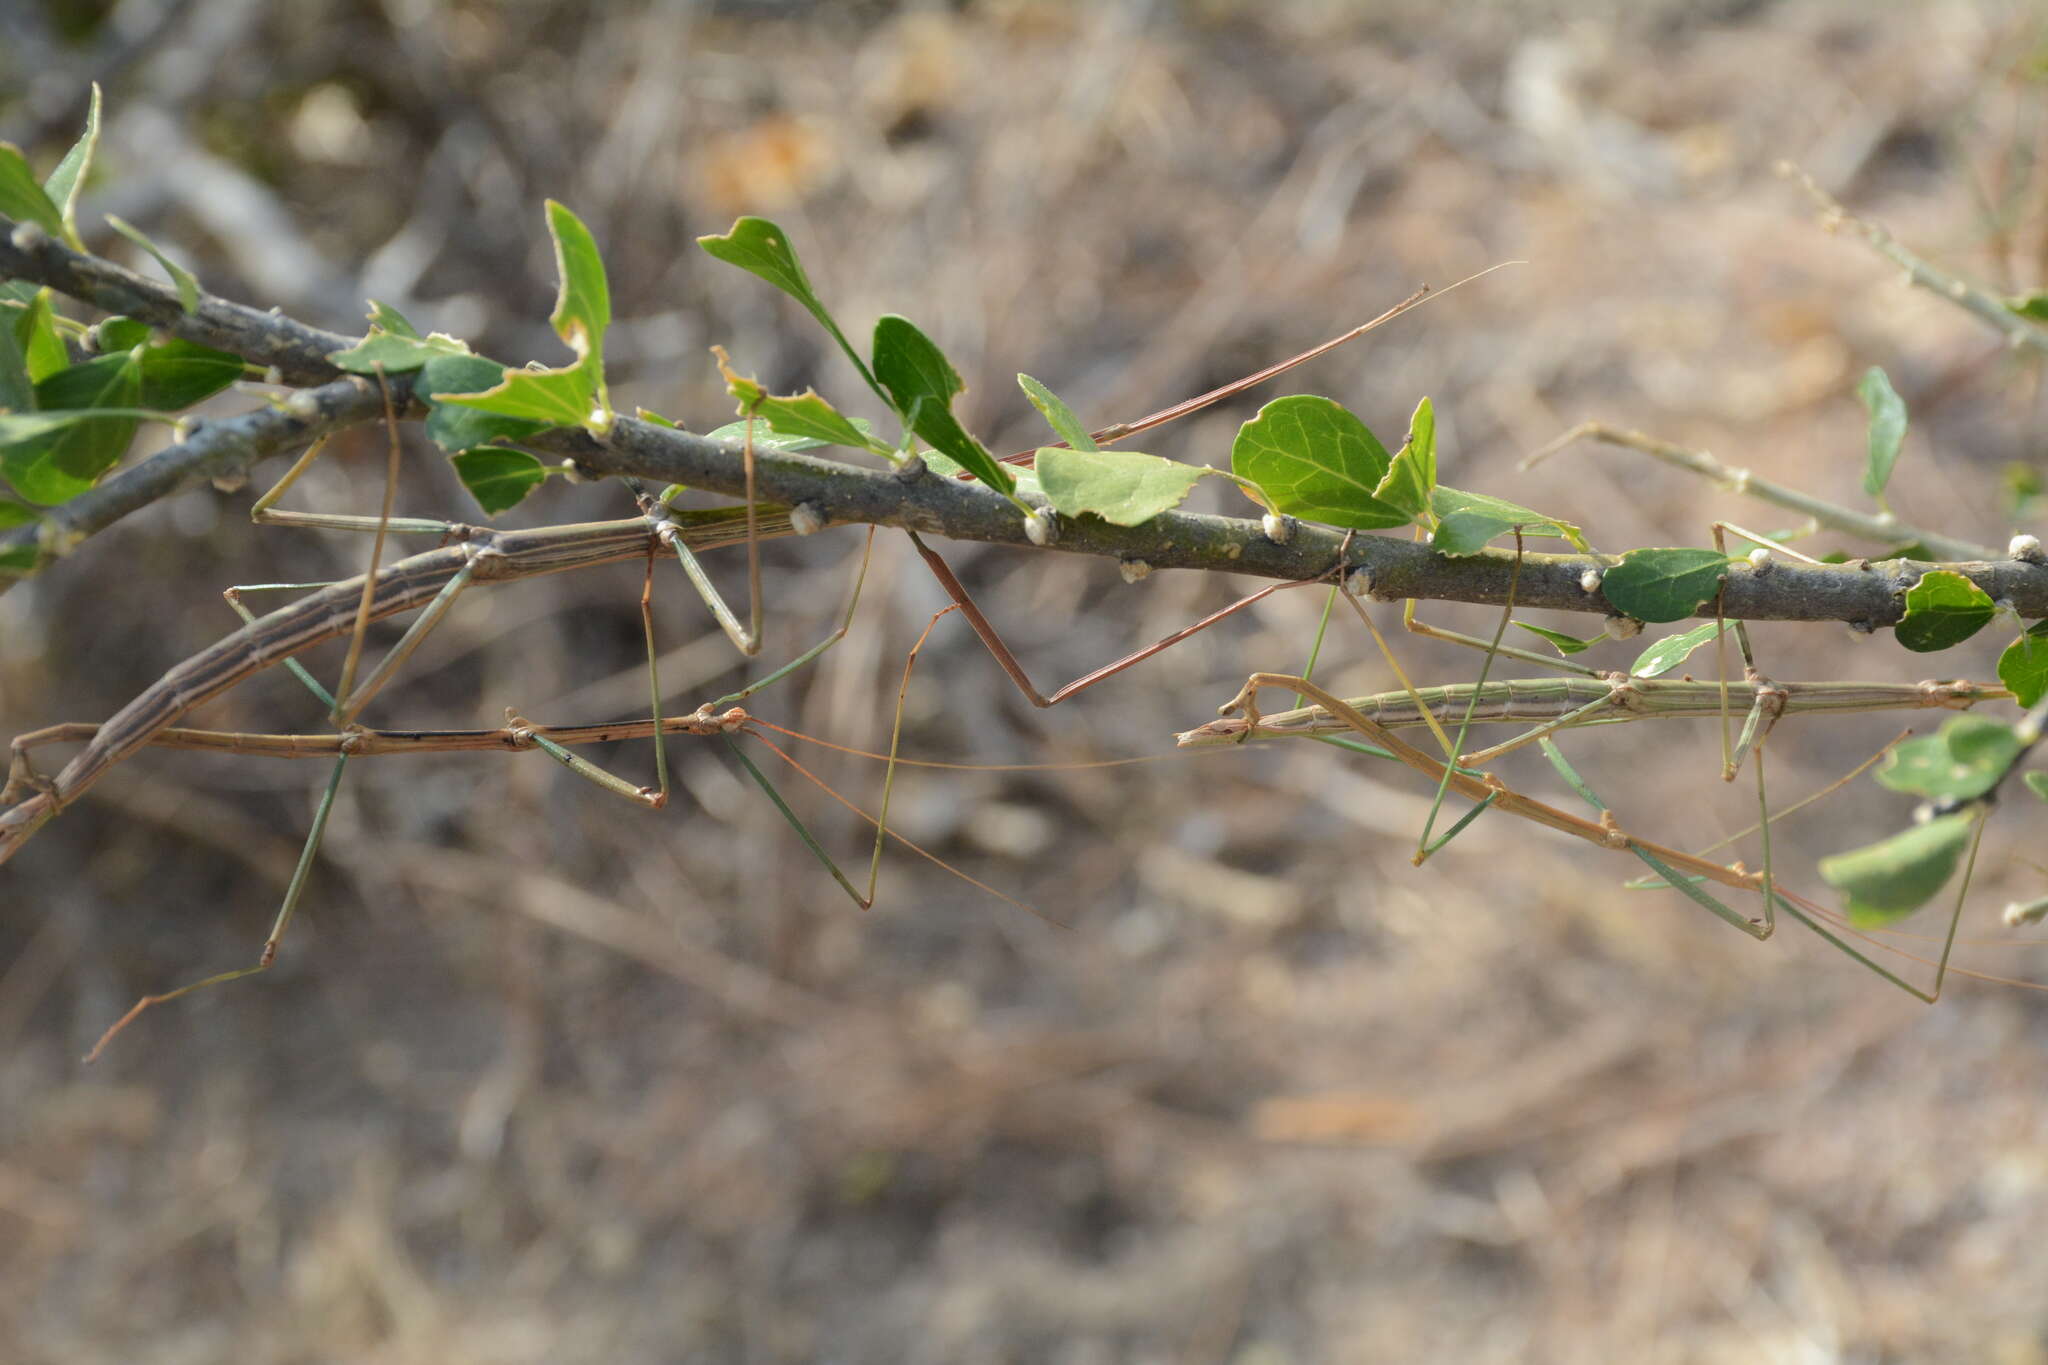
[[1594, 698]]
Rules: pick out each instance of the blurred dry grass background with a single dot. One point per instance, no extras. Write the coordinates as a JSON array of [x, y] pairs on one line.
[[543, 1078]]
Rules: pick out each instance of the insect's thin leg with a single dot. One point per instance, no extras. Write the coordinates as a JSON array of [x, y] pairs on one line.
[[1578, 716], [415, 634], [265, 513], [745, 638], [1681, 884], [345, 689], [1423, 628], [1001, 652], [1443, 786], [846, 623], [268, 957]]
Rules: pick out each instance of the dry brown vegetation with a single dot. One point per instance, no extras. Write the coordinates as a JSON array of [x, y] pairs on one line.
[[545, 1078]]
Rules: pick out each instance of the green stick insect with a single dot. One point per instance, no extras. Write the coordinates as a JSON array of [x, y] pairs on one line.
[[1595, 698]]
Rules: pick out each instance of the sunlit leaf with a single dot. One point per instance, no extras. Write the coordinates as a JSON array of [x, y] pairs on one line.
[[1668, 653], [1467, 522], [395, 353], [1122, 487], [187, 286], [455, 428], [1310, 458], [1411, 477], [66, 182], [1057, 414], [759, 247], [767, 437], [920, 383], [42, 346]]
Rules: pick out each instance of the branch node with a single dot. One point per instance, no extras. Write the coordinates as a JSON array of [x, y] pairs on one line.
[[807, 518]]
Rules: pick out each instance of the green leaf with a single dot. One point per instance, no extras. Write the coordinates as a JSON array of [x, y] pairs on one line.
[[1891, 879], [1966, 758], [456, 428], [17, 390], [22, 558], [804, 415], [177, 373], [1943, 609], [41, 344], [583, 307], [1057, 415], [57, 465], [938, 426], [1466, 522], [920, 383], [2037, 783], [554, 398], [188, 287], [2023, 487], [1411, 478], [395, 353], [2023, 667], [1664, 584], [384, 318], [770, 438], [759, 247], [1671, 651], [2033, 307], [119, 334], [1122, 487], [1887, 429], [1566, 644], [498, 479], [68, 179], [1312, 459], [21, 198]]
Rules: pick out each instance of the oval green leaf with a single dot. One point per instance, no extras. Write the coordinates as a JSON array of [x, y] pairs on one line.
[[1891, 879], [1467, 522], [2023, 667], [760, 248], [1671, 651], [458, 427], [1312, 459], [1963, 760], [1659, 585], [1057, 415], [1122, 487], [1942, 610], [498, 479]]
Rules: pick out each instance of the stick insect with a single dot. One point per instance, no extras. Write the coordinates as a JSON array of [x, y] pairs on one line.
[[1595, 698], [435, 579]]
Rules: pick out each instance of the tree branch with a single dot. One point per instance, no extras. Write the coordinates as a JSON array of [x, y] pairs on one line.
[[1864, 594]]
